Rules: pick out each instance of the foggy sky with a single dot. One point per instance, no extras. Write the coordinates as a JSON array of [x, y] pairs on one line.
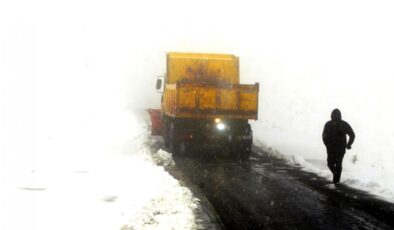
[[67, 67]]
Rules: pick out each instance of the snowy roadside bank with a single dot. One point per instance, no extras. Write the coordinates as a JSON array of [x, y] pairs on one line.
[[353, 175], [205, 215], [110, 181], [167, 205]]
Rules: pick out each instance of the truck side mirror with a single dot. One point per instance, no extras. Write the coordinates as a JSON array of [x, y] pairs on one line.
[[158, 83]]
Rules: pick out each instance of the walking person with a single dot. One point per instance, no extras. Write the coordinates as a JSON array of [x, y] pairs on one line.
[[334, 137]]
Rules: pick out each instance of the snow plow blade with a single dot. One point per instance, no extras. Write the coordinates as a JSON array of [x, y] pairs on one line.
[[157, 124]]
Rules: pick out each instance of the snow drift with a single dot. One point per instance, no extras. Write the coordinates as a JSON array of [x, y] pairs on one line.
[[118, 187]]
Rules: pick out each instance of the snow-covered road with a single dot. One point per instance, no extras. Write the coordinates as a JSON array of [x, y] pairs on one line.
[[268, 193], [374, 180]]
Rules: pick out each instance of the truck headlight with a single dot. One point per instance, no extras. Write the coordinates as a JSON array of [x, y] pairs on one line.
[[220, 126]]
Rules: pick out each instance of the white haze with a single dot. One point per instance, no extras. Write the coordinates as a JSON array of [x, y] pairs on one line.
[[69, 69]]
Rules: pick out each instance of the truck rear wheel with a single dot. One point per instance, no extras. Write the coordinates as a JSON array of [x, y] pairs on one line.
[[171, 137], [247, 142], [242, 142], [174, 140], [166, 134]]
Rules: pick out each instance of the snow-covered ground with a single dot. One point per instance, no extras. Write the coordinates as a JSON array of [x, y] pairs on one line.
[[125, 189]]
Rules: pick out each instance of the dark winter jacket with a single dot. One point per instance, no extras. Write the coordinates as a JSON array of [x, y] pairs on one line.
[[334, 133]]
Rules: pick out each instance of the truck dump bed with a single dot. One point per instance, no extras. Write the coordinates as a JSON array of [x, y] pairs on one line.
[[193, 100], [207, 86], [202, 68]]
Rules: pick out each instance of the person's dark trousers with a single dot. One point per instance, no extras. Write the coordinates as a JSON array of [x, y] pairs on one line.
[[334, 162]]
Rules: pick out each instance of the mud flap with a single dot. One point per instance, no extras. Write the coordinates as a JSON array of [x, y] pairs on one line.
[[157, 124]]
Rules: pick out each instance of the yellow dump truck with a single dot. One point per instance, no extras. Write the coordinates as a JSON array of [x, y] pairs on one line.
[[204, 105]]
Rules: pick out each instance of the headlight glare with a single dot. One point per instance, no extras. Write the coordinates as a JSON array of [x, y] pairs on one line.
[[220, 126]]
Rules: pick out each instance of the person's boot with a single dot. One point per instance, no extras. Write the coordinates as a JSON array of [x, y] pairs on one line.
[[339, 176], [336, 178]]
